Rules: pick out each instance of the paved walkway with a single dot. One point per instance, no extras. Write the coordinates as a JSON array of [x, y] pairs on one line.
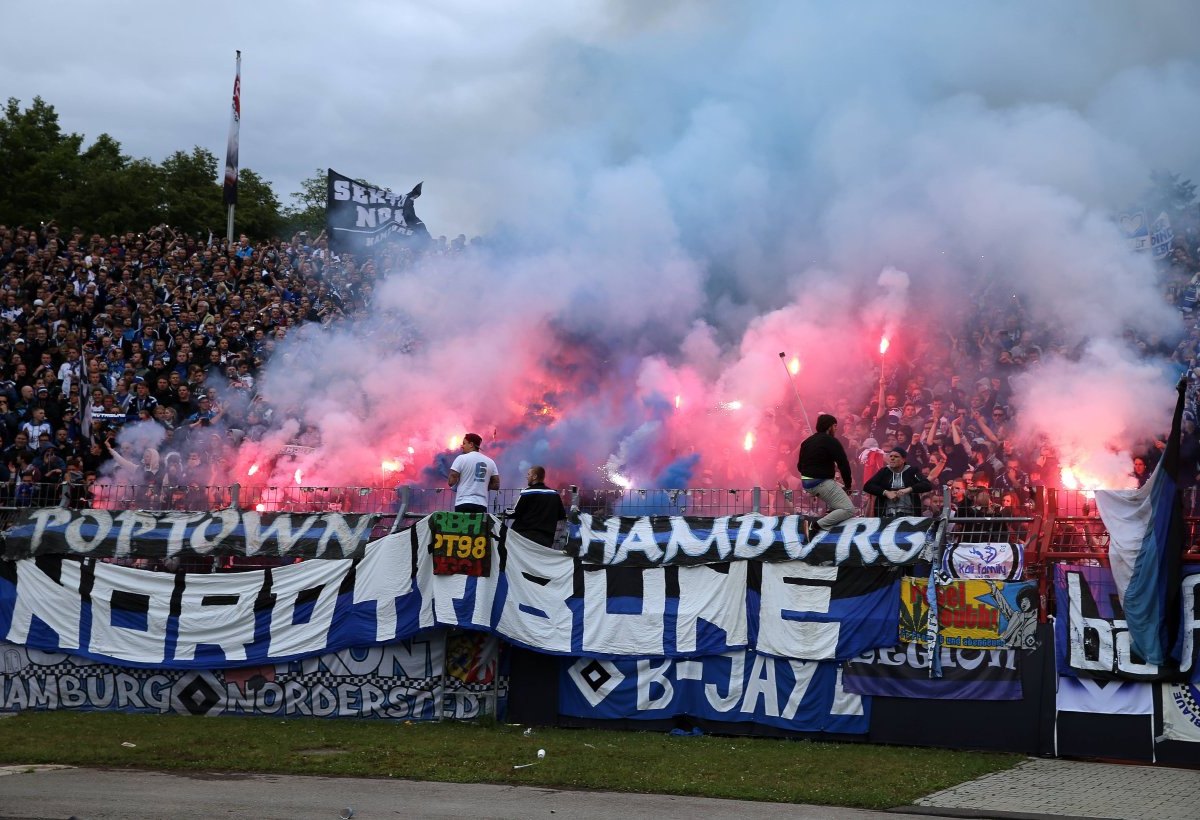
[[1068, 788], [1036, 789], [45, 793]]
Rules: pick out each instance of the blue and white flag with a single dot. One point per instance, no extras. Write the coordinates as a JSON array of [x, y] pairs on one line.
[[1136, 228], [1104, 697], [1146, 549], [802, 696], [1161, 236], [824, 613]]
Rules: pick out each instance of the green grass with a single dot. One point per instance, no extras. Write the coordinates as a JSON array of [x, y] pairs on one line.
[[841, 774]]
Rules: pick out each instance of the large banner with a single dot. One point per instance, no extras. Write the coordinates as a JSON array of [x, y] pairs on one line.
[[1092, 637], [112, 534], [967, 674], [541, 599], [395, 681], [359, 217], [972, 614], [656, 540], [737, 686]]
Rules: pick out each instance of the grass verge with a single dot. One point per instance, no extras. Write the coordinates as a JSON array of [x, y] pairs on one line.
[[786, 771]]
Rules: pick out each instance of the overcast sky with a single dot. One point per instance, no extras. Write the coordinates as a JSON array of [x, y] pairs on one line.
[[491, 101]]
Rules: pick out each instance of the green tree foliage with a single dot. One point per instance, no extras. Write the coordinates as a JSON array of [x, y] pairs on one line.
[[258, 212], [115, 193], [40, 162], [191, 192], [1169, 192], [307, 211], [52, 175]]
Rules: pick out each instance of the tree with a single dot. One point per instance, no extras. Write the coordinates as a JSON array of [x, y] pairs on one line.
[[114, 193], [1168, 192], [307, 212], [191, 193], [257, 212], [41, 164], [50, 175]]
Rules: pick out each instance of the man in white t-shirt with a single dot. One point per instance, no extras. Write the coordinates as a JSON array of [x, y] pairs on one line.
[[471, 475]]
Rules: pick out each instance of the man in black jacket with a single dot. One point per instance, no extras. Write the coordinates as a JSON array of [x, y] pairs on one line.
[[820, 455], [538, 510], [897, 486]]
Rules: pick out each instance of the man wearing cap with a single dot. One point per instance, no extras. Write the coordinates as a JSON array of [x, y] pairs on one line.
[[897, 487], [471, 475], [821, 454]]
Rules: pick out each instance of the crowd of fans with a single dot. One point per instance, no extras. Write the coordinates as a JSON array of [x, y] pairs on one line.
[[949, 404], [99, 331]]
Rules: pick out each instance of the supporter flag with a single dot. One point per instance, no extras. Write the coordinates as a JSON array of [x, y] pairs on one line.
[[824, 613], [231, 149], [1161, 236], [359, 217], [1181, 712], [85, 412], [1146, 549]]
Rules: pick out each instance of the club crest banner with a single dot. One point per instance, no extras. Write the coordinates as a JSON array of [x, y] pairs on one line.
[[1104, 697], [995, 561], [802, 696], [972, 614]]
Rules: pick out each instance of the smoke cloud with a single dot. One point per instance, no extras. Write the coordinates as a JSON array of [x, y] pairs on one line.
[[672, 194]]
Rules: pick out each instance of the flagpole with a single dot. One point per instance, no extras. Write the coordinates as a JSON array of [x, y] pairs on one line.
[[231, 151]]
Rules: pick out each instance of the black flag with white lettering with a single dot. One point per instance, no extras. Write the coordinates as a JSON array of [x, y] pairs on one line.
[[361, 218]]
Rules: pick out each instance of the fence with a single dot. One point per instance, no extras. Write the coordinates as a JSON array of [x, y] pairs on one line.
[[418, 500]]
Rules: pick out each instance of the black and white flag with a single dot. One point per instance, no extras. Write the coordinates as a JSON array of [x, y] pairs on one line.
[[359, 218]]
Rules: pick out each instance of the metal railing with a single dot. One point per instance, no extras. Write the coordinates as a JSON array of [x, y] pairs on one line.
[[705, 502]]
